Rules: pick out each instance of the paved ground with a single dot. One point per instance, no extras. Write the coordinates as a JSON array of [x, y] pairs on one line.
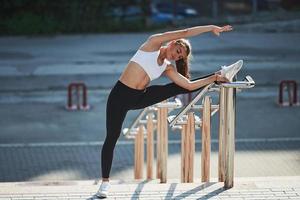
[[81, 161], [244, 189]]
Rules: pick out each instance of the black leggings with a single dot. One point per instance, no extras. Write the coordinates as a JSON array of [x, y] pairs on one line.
[[122, 99]]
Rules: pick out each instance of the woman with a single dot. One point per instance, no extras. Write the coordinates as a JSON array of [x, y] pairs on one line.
[[132, 91]]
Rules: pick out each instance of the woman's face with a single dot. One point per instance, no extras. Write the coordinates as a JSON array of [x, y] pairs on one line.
[[175, 51]]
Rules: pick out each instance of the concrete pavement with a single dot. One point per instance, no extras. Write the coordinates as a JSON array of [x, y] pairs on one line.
[[244, 189], [81, 160]]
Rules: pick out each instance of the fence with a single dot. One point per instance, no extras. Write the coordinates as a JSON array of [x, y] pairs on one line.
[[157, 119]]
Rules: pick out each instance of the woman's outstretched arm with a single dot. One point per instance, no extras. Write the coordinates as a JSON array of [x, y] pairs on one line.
[[188, 32], [182, 81]]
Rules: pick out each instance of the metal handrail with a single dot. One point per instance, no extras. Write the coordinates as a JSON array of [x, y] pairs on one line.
[[188, 124], [174, 120], [248, 83], [128, 132]]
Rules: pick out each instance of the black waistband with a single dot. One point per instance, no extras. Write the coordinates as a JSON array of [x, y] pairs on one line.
[[119, 83]]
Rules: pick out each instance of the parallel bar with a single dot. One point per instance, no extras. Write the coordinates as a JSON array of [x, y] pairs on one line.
[[249, 83], [183, 136], [158, 144], [197, 107], [206, 130], [187, 107], [150, 146], [165, 104], [164, 144], [139, 154], [191, 146], [221, 156], [136, 121], [230, 134], [188, 150]]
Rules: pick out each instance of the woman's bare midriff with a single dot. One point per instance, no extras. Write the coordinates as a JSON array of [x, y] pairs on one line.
[[134, 76]]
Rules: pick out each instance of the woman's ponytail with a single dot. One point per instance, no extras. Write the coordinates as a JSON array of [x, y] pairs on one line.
[[182, 65]]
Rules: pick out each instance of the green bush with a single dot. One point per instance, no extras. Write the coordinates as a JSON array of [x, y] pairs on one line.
[[28, 23], [31, 17]]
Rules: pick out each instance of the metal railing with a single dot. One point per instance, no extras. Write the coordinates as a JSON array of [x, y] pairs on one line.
[[138, 132], [130, 132], [81, 102], [156, 118], [292, 89]]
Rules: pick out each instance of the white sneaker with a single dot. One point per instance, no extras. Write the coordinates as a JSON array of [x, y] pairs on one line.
[[230, 71], [103, 190]]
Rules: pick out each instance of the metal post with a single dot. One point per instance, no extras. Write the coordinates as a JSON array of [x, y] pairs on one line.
[[158, 141], [222, 103], [188, 149], [280, 98], [206, 130], [139, 153], [295, 93], [150, 150], [230, 95], [69, 96], [290, 95], [81, 104], [84, 96], [162, 144], [291, 86], [183, 167], [78, 96]]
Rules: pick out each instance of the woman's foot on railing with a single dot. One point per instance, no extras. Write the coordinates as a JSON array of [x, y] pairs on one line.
[[230, 71]]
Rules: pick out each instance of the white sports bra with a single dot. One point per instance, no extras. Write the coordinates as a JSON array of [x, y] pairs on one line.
[[148, 61]]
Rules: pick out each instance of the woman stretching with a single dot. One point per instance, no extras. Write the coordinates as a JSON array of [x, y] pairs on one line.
[[150, 61]]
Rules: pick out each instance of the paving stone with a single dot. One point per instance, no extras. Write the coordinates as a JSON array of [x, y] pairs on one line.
[[294, 198], [64, 162], [266, 190]]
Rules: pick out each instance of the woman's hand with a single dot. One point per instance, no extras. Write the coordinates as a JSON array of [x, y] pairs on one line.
[[217, 30], [218, 72], [221, 79]]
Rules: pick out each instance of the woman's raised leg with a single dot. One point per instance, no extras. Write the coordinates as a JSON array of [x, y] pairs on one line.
[[157, 93]]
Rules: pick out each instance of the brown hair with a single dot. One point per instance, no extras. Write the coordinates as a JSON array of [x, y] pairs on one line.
[[182, 65]]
